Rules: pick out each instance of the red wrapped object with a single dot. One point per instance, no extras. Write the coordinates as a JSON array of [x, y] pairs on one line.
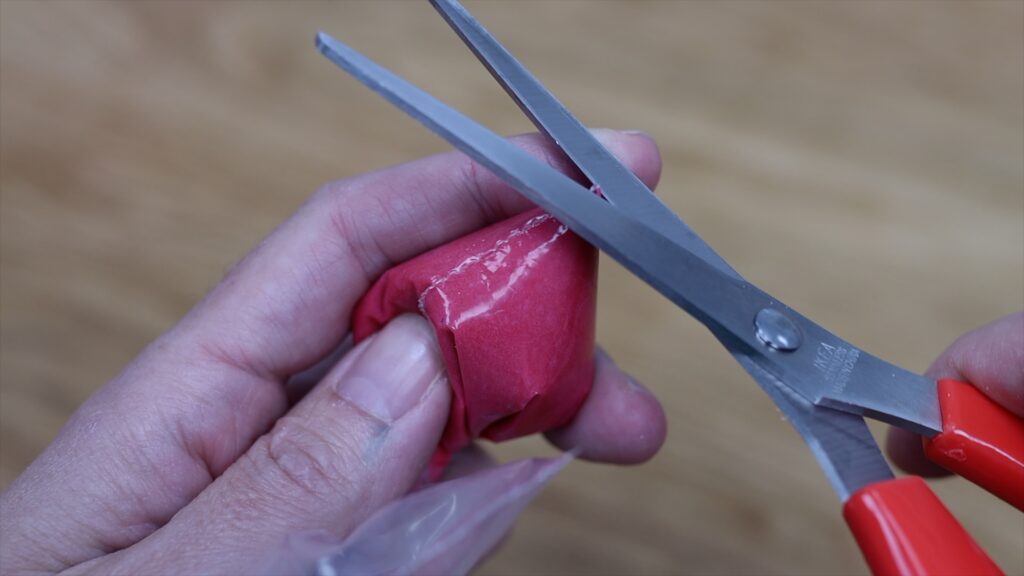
[[513, 307]]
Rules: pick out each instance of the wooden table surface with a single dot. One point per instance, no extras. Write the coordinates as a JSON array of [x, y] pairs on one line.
[[864, 161]]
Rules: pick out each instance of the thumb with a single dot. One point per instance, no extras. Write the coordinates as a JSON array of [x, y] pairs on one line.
[[358, 440], [991, 358]]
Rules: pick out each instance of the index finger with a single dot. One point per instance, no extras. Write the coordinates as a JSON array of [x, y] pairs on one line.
[[311, 271]]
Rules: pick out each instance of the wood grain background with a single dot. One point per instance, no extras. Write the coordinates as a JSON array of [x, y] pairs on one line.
[[863, 161]]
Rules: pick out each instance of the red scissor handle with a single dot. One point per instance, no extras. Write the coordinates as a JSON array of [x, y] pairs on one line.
[[903, 529], [980, 440]]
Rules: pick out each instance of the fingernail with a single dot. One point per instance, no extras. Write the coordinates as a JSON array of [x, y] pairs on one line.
[[394, 371]]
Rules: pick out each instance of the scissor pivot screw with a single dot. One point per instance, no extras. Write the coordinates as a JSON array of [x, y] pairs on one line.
[[777, 331]]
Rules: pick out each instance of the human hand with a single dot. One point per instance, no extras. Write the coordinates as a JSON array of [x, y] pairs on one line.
[[206, 451], [992, 359]]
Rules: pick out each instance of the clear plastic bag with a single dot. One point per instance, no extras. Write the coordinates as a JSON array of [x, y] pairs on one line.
[[445, 528]]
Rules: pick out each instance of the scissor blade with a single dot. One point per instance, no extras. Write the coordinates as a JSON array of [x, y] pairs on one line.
[[824, 370], [840, 442], [617, 183], [620, 186], [639, 248]]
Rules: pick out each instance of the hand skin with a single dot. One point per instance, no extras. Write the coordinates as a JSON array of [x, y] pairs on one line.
[[195, 459], [992, 359]]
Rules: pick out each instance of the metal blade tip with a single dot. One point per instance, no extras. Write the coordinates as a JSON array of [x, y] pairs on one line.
[[322, 38]]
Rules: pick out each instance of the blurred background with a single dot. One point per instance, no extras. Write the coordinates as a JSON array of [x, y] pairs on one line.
[[864, 161]]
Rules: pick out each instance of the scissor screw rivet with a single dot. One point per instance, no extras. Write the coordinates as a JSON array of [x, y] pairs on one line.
[[777, 331]]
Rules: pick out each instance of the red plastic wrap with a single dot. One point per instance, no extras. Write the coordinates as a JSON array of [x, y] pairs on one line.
[[513, 307]]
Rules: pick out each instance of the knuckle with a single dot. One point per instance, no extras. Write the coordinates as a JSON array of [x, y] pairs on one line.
[[351, 228], [294, 457], [329, 193]]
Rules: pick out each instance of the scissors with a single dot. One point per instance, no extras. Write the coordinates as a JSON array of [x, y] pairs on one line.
[[824, 385]]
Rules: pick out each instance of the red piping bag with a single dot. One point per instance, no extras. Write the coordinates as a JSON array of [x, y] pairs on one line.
[[513, 307]]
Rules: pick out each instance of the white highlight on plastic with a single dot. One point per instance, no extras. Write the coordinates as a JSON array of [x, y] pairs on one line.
[[493, 259]]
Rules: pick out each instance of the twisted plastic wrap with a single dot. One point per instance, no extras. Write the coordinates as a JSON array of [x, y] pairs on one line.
[[513, 308]]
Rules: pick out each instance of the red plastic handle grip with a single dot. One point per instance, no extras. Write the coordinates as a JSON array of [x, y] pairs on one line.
[[980, 440], [903, 529]]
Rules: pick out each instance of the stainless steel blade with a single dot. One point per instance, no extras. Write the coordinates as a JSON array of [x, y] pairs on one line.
[[841, 443], [824, 369], [618, 184]]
